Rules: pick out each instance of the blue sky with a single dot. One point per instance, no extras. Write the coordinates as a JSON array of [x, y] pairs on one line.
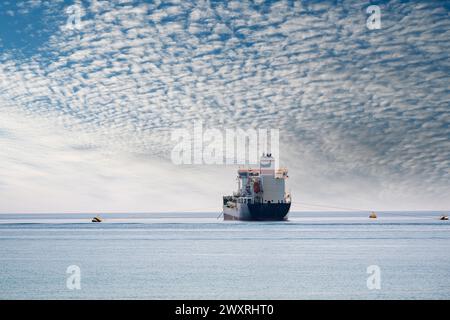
[[86, 114]]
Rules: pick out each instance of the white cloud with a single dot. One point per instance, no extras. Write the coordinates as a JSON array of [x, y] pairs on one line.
[[363, 114]]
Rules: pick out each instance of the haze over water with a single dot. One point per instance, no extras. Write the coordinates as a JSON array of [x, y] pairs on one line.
[[314, 255]]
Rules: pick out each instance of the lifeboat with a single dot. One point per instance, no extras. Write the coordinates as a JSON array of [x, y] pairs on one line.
[[256, 187]]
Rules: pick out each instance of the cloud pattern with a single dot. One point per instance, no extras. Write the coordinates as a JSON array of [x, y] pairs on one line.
[[363, 114]]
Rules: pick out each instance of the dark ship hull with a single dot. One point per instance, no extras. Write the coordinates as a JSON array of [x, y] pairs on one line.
[[269, 211], [258, 212]]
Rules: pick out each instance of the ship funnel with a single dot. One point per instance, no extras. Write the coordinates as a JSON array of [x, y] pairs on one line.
[[267, 165]]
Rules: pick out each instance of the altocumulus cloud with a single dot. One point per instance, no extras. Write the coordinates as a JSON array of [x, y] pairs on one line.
[[86, 113]]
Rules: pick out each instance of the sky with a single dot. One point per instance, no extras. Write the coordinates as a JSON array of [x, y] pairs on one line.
[[90, 92]]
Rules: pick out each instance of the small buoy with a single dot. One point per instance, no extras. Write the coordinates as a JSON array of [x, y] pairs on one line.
[[373, 215], [443, 218], [96, 219]]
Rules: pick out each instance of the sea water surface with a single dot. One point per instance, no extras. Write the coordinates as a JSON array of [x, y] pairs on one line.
[[314, 255]]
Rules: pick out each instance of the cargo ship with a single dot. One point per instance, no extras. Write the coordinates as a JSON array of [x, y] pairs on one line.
[[261, 194]]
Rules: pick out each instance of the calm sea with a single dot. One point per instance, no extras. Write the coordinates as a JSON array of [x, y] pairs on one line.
[[314, 255]]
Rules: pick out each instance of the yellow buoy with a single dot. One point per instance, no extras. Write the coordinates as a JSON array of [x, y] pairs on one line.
[[97, 219], [373, 215]]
